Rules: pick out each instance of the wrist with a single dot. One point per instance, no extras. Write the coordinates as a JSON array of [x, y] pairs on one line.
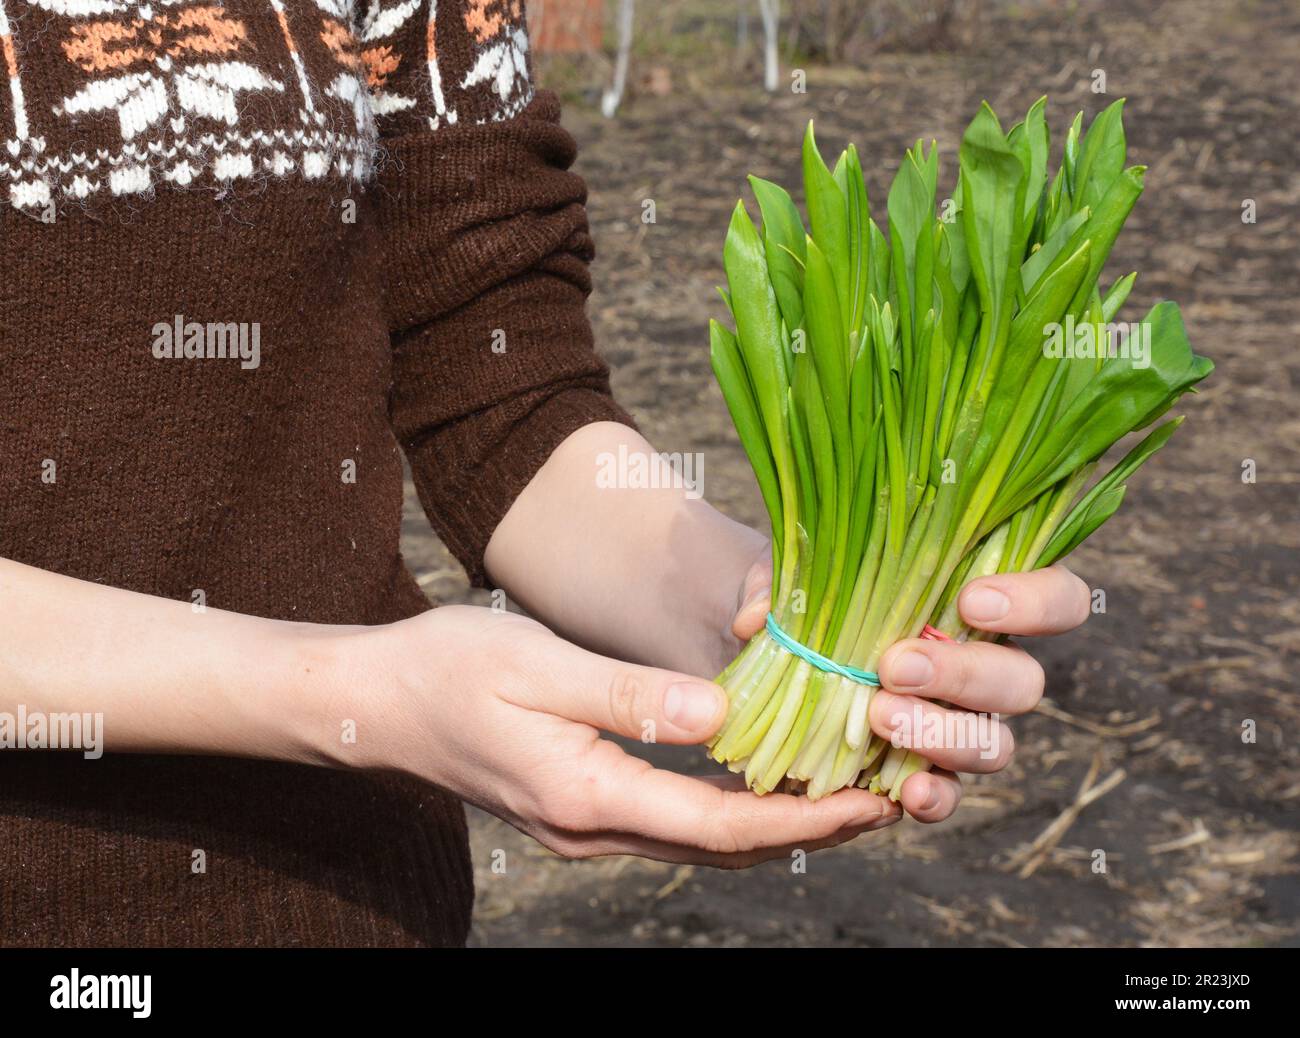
[[379, 698], [321, 710]]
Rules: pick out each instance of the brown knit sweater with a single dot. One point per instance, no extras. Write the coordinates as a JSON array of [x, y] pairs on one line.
[[371, 192]]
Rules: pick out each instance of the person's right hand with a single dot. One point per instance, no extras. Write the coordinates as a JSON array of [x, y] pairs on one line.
[[498, 710]]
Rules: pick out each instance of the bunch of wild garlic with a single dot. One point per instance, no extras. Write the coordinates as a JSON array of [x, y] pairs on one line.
[[923, 408]]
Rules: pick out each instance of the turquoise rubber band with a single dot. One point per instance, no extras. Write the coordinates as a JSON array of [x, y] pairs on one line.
[[862, 677]]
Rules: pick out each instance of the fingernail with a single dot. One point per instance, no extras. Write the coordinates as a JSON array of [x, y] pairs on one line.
[[690, 706], [911, 670], [756, 595], [932, 801], [883, 822], [985, 604]]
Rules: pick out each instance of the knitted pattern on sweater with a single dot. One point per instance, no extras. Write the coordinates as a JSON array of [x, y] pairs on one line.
[[119, 97]]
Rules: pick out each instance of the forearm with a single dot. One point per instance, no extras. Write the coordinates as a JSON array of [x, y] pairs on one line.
[[645, 574], [164, 677]]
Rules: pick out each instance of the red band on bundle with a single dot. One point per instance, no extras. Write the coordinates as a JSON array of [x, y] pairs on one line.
[[934, 634]]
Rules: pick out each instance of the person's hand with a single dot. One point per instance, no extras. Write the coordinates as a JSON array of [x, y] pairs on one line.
[[975, 677], [495, 708]]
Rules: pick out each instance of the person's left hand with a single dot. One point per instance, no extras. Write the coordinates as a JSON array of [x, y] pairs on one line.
[[976, 677]]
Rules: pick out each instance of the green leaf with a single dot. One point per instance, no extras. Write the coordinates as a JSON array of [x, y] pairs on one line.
[[1035, 134], [993, 184], [1117, 296], [1063, 242], [863, 509], [806, 498], [1101, 156], [783, 240], [936, 366], [826, 212], [1070, 161], [962, 348], [911, 217], [946, 298], [955, 232], [884, 333], [1020, 384], [1120, 398], [729, 370], [879, 266], [821, 448], [758, 320], [826, 339], [1100, 503], [863, 406], [1079, 371], [1108, 218], [1098, 511], [848, 175]]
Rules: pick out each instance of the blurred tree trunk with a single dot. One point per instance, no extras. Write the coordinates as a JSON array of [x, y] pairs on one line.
[[614, 95], [566, 26], [771, 11]]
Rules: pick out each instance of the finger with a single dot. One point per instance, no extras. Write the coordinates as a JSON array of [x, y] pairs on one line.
[[642, 703], [609, 844], [931, 796], [954, 739], [756, 600], [1001, 679], [729, 783], [1046, 601], [634, 798]]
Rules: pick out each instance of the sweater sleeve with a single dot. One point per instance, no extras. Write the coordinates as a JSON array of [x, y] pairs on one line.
[[486, 250]]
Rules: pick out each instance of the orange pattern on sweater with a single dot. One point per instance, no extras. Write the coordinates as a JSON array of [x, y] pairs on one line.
[[101, 46], [123, 97]]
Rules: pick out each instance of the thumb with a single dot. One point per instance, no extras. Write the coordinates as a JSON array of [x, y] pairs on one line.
[[641, 703], [756, 600]]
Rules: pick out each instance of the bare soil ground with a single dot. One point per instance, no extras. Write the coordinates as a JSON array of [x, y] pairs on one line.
[[1201, 635]]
